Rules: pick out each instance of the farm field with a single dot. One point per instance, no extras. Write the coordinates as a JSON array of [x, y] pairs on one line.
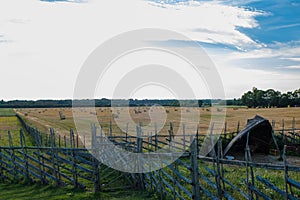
[[43, 118]]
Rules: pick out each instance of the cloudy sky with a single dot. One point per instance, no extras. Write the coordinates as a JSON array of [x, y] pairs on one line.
[[43, 44]]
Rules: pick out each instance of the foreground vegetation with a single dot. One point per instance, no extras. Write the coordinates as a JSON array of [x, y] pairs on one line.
[[25, 191]]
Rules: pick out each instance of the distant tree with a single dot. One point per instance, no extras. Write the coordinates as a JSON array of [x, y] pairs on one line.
[[248, 99], [296, 95]]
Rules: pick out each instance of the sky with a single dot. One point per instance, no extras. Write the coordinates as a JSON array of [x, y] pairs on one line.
[[44, 43]]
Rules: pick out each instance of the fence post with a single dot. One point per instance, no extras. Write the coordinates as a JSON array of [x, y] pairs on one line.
[[140, 182], [54, 156], [156, 137], [24, 151], [171, 133], [238, 127], [285, 173], [41, 162], [110, 129], [12, 155], [184, 138], [225, 130], [97, 184], [248, 158], [74, 171], [194, 170], [1, 166], [126, 136], [218, 174], [197, 139], [282, 132], [293, 129]]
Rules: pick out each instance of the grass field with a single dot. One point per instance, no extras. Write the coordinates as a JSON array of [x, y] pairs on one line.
[[9, 122], [37, 192], [7, 112]]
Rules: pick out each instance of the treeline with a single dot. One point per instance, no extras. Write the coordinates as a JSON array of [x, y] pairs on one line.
[[102, 103], [252, 99], [268, 98]]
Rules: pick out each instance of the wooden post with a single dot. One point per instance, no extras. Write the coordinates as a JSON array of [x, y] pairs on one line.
[[171, 134], [65, 141], [160, 177], [273, 124], [73, 160], [41, 139], [59, 140], [218, 172], [194, 171], [293, 129], [96, 170], [225, 130], [184, 138], [110, 129], [285, 173], [222, 167], [41, 167], [275, 142], [248, 159], [84, 141], [282, 125], [126, 136], [238, 127], [1, 165], [176, 179], [53, 157], [24, 151], [156, 138], [12, 156], [77, 140], [140, 181], [46, 140], [197, 138]]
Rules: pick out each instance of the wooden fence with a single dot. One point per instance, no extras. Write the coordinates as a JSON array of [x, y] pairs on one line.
[[59, 165], [189, 177]]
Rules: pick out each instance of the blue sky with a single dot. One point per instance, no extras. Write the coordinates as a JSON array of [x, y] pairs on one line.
[[44, 43]]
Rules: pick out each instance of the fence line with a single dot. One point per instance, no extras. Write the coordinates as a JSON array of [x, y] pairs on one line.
[[187, 178], [190, 177]]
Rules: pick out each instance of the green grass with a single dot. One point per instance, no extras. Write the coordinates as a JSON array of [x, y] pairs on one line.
[[12, 124], [36, 191], [7, 112]]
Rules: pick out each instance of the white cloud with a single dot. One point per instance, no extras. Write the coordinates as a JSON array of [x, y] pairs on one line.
[[293, 59], [292, 67], [284, 51]]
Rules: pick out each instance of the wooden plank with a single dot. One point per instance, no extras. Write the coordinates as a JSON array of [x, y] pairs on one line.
[[235, 188], [84, 169], [252, 164], [273, 187], [293, 183], [259, 193], [270, 185], [207, 193]]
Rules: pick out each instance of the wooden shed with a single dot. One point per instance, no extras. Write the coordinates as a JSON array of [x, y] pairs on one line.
[[261, 137]]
